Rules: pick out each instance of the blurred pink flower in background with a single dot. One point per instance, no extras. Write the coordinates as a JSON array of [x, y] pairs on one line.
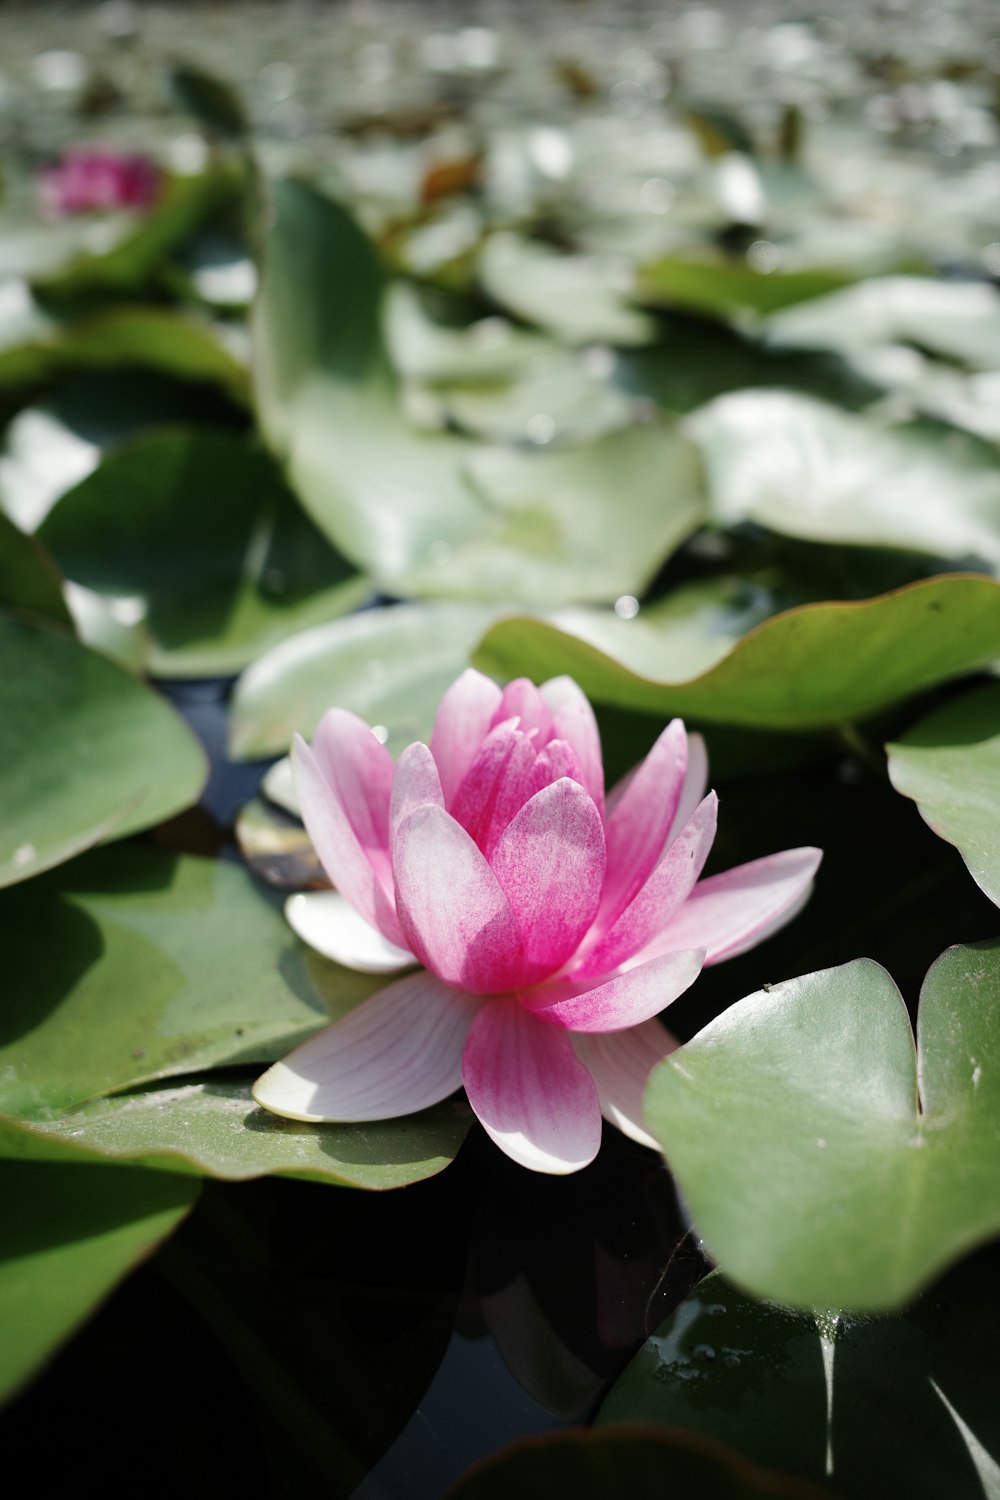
[[91, 179], [551, 927]]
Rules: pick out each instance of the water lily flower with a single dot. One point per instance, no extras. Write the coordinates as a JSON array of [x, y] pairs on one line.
[[90, 179], [551, 927]]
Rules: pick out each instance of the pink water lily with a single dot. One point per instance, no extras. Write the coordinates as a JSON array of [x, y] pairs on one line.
[[93, 179], [551, 927]]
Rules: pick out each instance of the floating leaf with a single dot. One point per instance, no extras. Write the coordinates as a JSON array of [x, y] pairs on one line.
[[489, 350], [958, 320], [213, 1127], [277, 848], [816, 665], [581, 299], [86, 751], [819, 1164], [199, 532], [157, 965], [724, 288], [73, 1236], [950, 765], [809, 470], [389, 665], [29, 579], [556, 399], [877, 1406]]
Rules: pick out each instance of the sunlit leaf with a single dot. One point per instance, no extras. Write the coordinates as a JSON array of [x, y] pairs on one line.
[[874, 1405], [73, 1236], [198, 531], [723, 288], [86, 751], [213, 1127], [958, 320], [389, 665], [815, 665], [812, 471], [819, 1164], [157, 965], [582, 299], [950, 765]]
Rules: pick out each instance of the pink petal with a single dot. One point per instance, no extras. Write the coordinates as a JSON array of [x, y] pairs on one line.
[[573, 720], [557, 759], [550, 864], [695, 782], [347, 862], [630, 998], [359, 769], [667, 888], [530, 1091], [397, 1052], [325, 921], [734, 911], [452, 910], [640, 819], [463, 720], [496, 785], [522, 700], [415, 783], [620, 1063]]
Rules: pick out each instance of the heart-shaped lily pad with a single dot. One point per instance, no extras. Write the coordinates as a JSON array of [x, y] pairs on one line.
[[820, 1161]]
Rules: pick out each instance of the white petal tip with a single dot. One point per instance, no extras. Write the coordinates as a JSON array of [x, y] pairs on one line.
[[281, 1091], [331, 926]]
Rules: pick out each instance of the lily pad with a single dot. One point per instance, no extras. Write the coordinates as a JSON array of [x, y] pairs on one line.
[[29, 580], [156, 965], [488, 350], [198, 530], [550, 537], [950, 765], [73, 1237], [555, 399], [389, 665], [815, 665], [820, 1161], [86, 751], [724, 288], [875, 1406], [212, 1127], [810, 470], [580, 299], [957, 320], [382, 491]]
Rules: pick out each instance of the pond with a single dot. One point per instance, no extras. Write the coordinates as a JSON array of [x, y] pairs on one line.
[[370, 364]]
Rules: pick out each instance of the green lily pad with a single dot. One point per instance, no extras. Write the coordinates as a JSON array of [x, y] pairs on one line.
[[958, 320], [645, 1465], [86, 751], [821, 1167], [580, 299], [950, 765], [389, 665], [877, 1406], [810, 470], [555, 399], [382, 491], [152, 338], [29, 580], [73, 1236], [815, 665], [550, 536], [212, 1127], [489, 350], [155, 965], [197, 530], [724, 288]]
